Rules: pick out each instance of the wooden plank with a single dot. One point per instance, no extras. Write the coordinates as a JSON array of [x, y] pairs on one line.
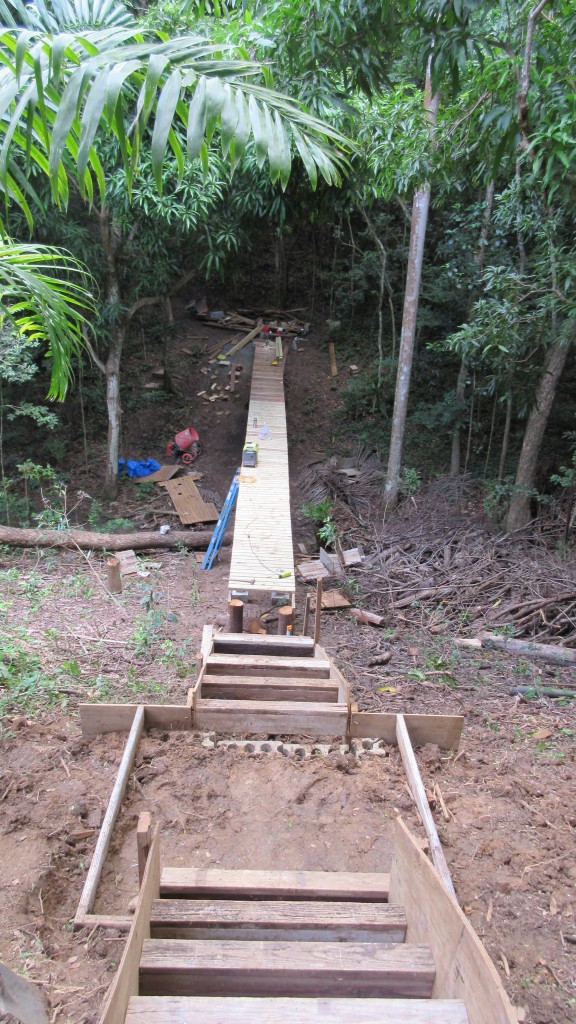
[[86, 902], [96, 719], [464, 969], [234, 968], [275, 717], [159, 475], [267, 665], [313, 570], [344, 692], [126, 980], [445, 730], [246, 1010], [284, 920], [245, 643], [421, 800], [269, 688], [189, 503], [347, 886]]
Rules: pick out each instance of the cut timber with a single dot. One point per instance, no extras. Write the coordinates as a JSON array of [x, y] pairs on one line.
[[85, 539], [159, 476], [269, 688], [189, 503], [295, 646], [347, 886], [229, 967], [313, 570], [113, 576], [445, 730], [275, 717], [125, 984], [267, 665], [88, 896], [332, 599], [235, 616], [368, 618], [463, 968], [421, 800], [244, 1010], [288, 921], [101, 718]]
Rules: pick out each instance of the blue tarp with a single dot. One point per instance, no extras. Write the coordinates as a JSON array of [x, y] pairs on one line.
[[137, 467]]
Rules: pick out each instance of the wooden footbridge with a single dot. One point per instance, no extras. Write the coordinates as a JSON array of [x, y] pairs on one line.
[[209, 946]]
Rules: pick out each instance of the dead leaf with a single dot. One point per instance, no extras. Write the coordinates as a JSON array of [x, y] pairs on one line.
[[387, 689], [542, 734]]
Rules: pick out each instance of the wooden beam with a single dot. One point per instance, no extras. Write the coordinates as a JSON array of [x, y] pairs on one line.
[[288, 885], [421, 800], [270, 688], [88, 896], [246, 1010], [464, 970], [96, 719], [276, 717], [253, 643], [267, 665], [126, 981], [302, 920], [193, 967], [143, 841], [445, 730]]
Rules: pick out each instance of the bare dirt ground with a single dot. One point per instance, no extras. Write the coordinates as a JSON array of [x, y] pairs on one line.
[[509, 791]]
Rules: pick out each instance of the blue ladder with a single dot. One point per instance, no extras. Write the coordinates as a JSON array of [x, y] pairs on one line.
[[220, 528]]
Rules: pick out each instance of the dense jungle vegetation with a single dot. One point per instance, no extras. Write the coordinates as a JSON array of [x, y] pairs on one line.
[[403, 169]]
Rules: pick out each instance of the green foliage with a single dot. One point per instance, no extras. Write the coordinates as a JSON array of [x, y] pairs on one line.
[[321, 514], [24, 684]]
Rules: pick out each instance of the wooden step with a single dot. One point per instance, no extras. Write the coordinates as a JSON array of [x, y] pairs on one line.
[[248, 643], [267, 665], [296, 718], [282, 920], [343, 886], [269, 688], [244, 1010], [234, 968]]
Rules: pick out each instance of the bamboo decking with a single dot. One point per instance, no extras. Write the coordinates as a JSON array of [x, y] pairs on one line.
[[262, 554]]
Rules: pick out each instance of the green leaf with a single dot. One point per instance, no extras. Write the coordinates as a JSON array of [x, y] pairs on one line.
[[163, 123]]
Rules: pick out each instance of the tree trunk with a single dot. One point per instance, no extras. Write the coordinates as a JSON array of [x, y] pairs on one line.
[[419, 221], [104, 541], [505, 440], [519, 510], [460, 396], [407, 336], [113, 405]]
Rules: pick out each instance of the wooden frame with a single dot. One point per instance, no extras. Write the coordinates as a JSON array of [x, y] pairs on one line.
[[463, 968]]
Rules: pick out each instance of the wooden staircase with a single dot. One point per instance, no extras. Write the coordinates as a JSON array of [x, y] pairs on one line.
[[269, 684], [266, 946]]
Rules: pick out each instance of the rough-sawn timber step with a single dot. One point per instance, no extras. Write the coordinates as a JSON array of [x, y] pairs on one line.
[[344, 886], [267, 665], [276, 717], [269, 688], [235, 968], [246, 1010], [292, 920], [247, 643]]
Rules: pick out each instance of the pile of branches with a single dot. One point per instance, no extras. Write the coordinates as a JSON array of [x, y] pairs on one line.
[[439, 561]]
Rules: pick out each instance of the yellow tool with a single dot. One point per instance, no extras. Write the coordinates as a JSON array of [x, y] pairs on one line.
[[250, 454]]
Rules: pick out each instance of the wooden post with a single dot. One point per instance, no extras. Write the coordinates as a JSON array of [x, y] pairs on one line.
[[421, 801], [285, 619], [306, 615], [333, 363], [235, 616], [232, 376], [101, 849], [143, 840], [114, 577], [318, 611]]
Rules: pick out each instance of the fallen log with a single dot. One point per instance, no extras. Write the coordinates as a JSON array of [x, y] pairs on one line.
[[552, 653], [86, 539]]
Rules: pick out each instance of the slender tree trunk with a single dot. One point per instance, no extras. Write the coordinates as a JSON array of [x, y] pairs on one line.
[[505, 440], [519, 510], [419, 221], [114, 408], [460, 395]]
